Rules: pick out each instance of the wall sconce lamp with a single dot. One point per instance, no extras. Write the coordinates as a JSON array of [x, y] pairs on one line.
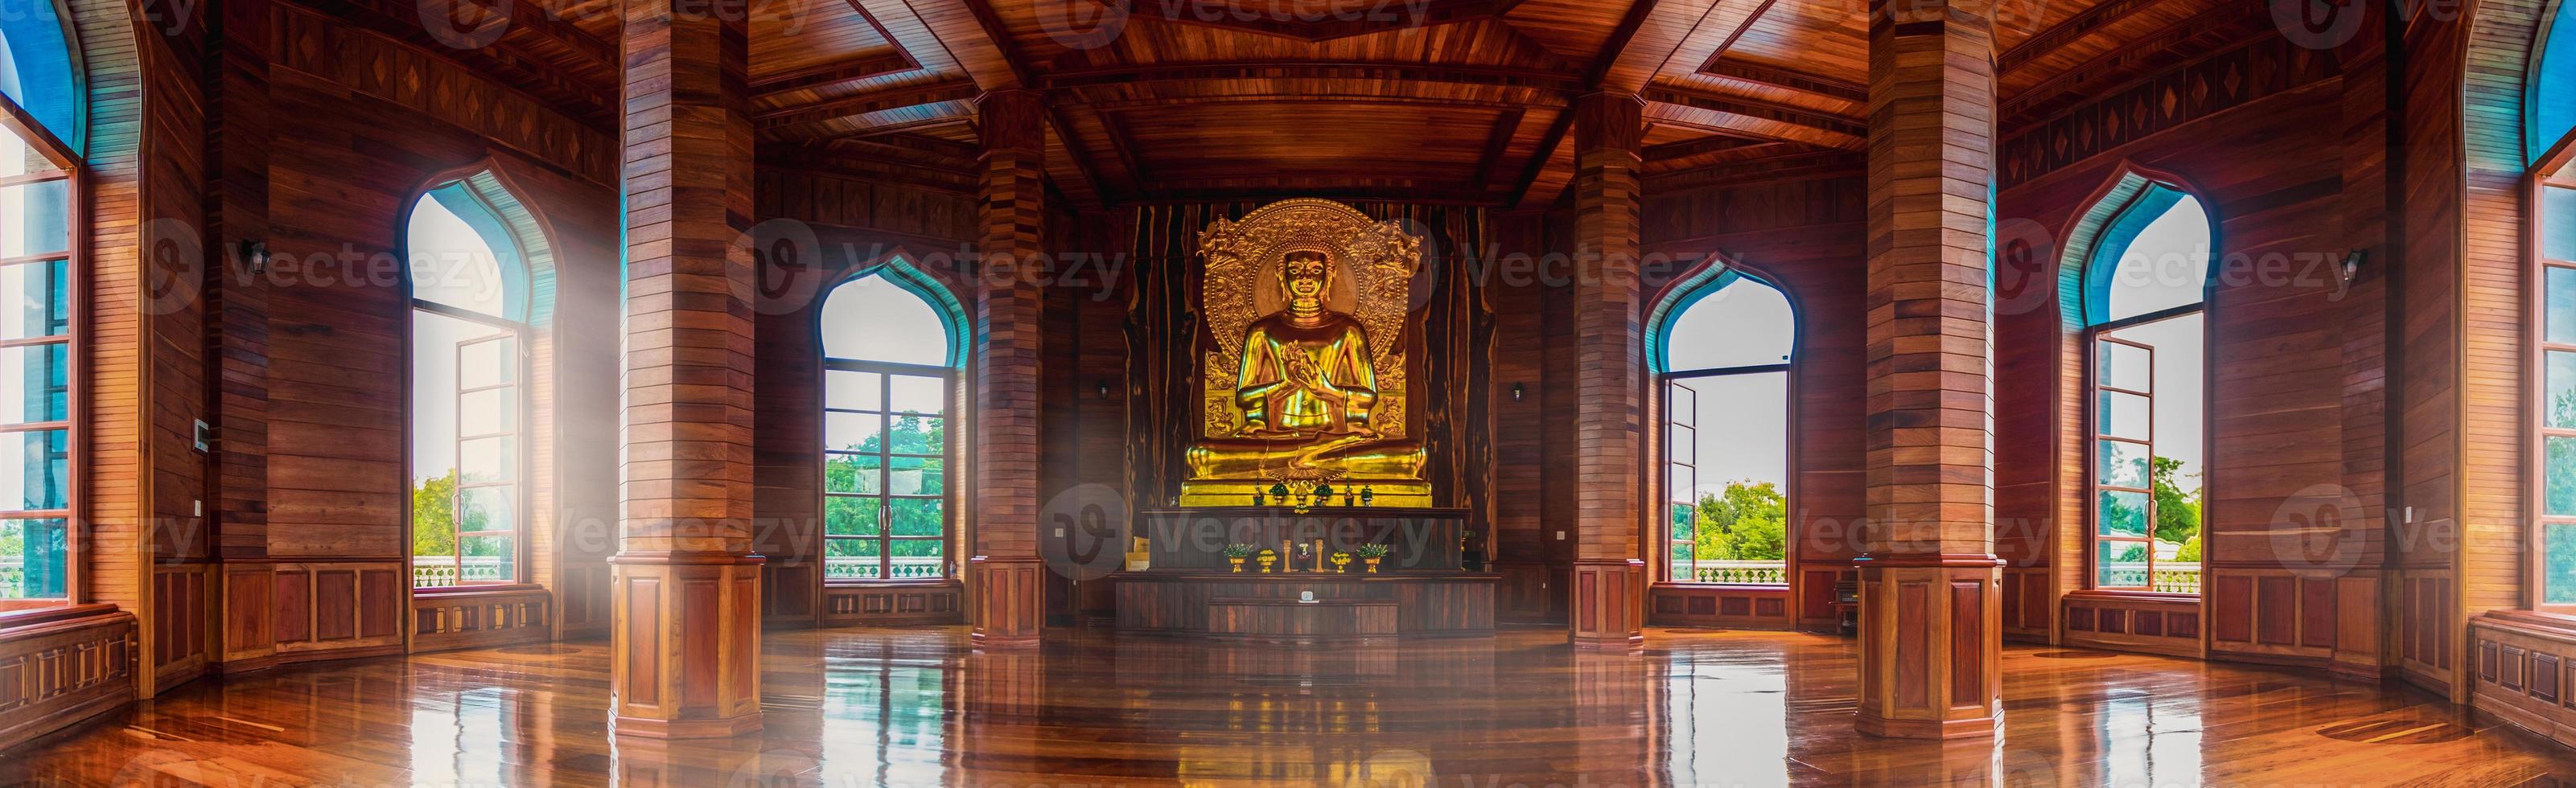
[[1519, 390], [254, 255], [2352, 266]]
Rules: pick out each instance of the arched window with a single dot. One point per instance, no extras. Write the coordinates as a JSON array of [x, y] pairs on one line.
[[891, 349], [2553, 209], [475, 306], [1721, 348], [39, 216], [2143, 292]]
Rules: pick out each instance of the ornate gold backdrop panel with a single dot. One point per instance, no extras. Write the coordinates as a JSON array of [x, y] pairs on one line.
[[1376, 262]]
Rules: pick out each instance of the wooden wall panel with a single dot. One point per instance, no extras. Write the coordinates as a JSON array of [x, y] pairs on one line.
[[63, 665]]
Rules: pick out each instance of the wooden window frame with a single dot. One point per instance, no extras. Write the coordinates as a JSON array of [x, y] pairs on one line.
[[886, 371], [2093, 336], [1664, 383], [74, 339], [521, 486], [2552, 171]]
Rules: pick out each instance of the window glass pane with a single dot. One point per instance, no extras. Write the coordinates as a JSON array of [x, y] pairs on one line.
[[2124, 464], [34, 383], [872, 319], [488, 411], [2561, 294], [917, 476], [34, 472], [852, 431], [2122, 415], [917, 558], [35, 218], [494, 459], [2558, 564], [454, 264], [33, 556], [485, 509], [1745, 323], [1685, 517], [2166, 265], [850, 559], [1681, 559], [1681, 444], [2558, 389], [2558, 223], [2120, 565], [846, 390], [488, 559], [917, 394], [918, 435], [918, 516], [490, 362], [2124, 366], [2121, 514], [849, 516], [853, 473], [35, 300], [2560, 498]]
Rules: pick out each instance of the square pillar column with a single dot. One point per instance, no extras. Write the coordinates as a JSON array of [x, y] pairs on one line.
[[686, 596], [1005, 584], [1608, 606], [1930, 624]]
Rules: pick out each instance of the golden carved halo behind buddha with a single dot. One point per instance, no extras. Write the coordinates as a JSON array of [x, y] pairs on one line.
[[1306, 302]]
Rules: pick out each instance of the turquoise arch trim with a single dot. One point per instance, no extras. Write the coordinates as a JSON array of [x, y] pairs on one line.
[[2102, 269], [1688, 293], [951, 312], [39, 70], [2551, 88], [496, 215]]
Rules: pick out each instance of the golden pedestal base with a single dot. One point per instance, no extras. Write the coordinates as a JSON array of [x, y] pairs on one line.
[[1223, 492]]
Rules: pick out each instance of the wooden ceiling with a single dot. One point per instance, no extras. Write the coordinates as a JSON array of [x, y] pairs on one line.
[[1461, 101]]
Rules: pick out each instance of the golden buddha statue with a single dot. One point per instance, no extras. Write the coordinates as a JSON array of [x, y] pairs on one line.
[[1306, 303], [1307, 389]]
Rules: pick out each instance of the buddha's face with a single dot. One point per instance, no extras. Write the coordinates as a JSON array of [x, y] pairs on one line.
[[1305, 275]]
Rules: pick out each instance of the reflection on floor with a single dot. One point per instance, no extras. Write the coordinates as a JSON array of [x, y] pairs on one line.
[[911, 707]]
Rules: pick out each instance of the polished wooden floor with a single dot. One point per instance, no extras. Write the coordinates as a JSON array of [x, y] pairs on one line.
[[887, 707]]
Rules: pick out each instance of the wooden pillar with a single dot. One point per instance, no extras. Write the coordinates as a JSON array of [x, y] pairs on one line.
[[1607, 608], [1005, 581], [686, 658], [1930, 615], [238, 134]]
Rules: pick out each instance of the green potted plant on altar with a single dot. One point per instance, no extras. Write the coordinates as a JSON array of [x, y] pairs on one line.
[[1235, 553], [1371, 554], [1267, 557]]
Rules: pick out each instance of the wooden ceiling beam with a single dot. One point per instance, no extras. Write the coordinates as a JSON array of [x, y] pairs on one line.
[[1721, 141], [2084, 23], [1797, 124], [967, 32], [1507, 126], [1080, 159], [1645, 42], [1785, 79], [1378, 18], [1294, 69], [845, 70], [950, 91]]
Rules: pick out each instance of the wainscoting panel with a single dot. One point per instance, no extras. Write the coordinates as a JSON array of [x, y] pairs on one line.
[[444, 620], [2124, 622], [940, 603], [346, 609], [60, 665], [1732, 606]]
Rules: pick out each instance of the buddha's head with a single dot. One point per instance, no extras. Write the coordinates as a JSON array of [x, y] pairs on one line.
[[1306, 275]]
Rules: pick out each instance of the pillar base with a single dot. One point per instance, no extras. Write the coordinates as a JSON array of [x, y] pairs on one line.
[[1930, 635], [1608, 610], [1008, 610], [684, 662]]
